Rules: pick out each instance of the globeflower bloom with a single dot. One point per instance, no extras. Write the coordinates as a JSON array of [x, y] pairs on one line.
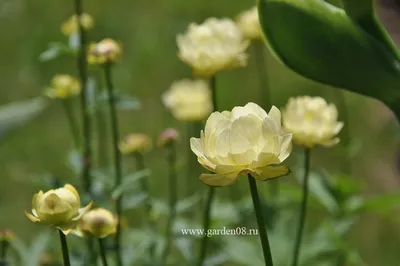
[[135, 143], [213, 46], [189, 100], [63, 87], [106, 51], [246, 140], [71, 25], [98, 222], [312, 121], [59, 208], [249, 24]]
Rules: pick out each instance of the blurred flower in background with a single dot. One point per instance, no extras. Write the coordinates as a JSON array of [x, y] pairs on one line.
[[213, 46], [106, 51], [312, 121], [98, 222], [71, 26], [244, 141], [6, 235], [62, 87], [168, 136], [249, 24], [135, 143], [189, 100]]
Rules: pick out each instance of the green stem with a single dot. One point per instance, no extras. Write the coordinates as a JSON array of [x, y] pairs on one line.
[[64, 247], [103, 252], [171, 157], [3, 250], [72, 123], [303, 208], [117, 156], [260, 222]]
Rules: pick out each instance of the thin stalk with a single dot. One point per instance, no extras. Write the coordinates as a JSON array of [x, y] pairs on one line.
[[171, 157], [64, 248], [260, 222], [103, 252], [3, 250], [72, 123], [117, 156], [303, 208]]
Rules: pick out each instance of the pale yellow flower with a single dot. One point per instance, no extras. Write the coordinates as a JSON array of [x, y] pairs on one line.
[[98, 222], [60, 208], [62, 87], [213, 46], [249, 23], [168, 136], [312, 121], [71, 26], [246, 140], [189, 100], [135, 143], [104, 52]]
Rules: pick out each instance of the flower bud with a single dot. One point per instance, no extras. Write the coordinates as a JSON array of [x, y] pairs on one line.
[[71, 26], [105, 52], [63, 87], [46, 259], [249, 24], [134, 143], [99, 223], [59, 208], [6, 235], [168, 136]]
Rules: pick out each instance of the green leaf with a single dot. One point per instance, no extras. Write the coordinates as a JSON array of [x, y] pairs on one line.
[[54, 51], [321, 42], [134, 200], [320, 192], [74, 41], [129, 182], [382, 203], [123, 101], [187, 203]]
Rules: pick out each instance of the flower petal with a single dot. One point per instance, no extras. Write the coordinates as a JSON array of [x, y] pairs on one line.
[[73, 190], [31, 217], [82, 211], [286, 147], [330, 143], [275, 115], [270, 172], [218, 180], [196, 147]]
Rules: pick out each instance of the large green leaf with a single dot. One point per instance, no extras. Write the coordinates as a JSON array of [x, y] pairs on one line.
[[324, 43]]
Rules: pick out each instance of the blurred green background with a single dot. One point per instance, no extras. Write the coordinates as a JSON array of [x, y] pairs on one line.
[[149, 65]]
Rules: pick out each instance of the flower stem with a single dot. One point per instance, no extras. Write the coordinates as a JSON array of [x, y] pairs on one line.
[[171, 157], [103, 252], [72, 123], [64, 247], [260, 222], [3, 251], [303, 208], [117, 156]]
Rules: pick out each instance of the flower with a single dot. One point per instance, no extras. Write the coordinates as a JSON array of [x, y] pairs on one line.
[[59, 208], [62, 87], [6, 235], [135, 143], [168, 136], [104, 52], [246, 140], [189, 100], [249, 24], [98, 222], [312, 121], [213, 46], [71, 26]]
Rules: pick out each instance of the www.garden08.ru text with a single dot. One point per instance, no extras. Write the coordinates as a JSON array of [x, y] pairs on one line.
[[238, 231]]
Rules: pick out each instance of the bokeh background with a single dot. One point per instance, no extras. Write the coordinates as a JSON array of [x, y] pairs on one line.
[[149, 65]]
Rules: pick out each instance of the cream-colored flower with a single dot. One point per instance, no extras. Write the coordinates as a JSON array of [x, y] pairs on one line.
[[62, 87], [213, 46], [312, 121], [60, 208], [189, 100], [135, 143], [71, 26], [249, 23], [104, 52], [246, 140], [98, 222]]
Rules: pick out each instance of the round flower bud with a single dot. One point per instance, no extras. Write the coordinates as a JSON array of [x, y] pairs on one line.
[[59, 208], [135, 143], [249, 24], [312, 121], [167, 137], [46, 259], [213, 46], [99, 223], [105, 52], [189, 100], [71, 26], [246, 140], [6, 235], [63, 87]]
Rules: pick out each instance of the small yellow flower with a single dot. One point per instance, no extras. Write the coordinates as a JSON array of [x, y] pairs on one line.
[[63, 87], [6, 235], [99, 223], [213, 46], [246, 140], [59, 208], [167, 137], [249, 23], [189, 100], [135, 143], [104, 52], [312, 121], [71, 26]]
